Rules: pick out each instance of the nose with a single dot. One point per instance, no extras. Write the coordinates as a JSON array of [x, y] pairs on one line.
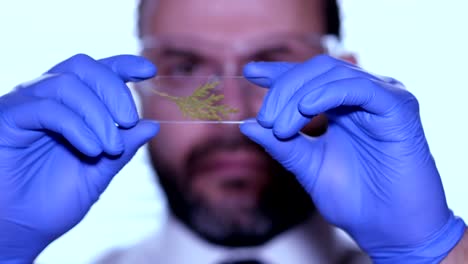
[[243, 96]]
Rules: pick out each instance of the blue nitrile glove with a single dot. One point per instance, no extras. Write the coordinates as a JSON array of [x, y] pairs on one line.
[[60, 147], [371, 173]]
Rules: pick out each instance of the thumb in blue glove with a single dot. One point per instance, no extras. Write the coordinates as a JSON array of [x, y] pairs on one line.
[[63, 138], [371, 173]]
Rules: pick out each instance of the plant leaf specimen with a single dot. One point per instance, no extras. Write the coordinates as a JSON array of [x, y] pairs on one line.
[[202, 104]]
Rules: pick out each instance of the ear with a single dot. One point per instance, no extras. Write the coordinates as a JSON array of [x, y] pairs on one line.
[[349, 57]]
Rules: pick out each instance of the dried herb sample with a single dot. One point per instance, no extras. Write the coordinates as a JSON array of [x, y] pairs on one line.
[[202, 104]]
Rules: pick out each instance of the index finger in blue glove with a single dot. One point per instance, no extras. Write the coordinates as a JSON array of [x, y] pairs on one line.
[[285, 85], [107, 85], [69, 90], [130, 68], [371, 95], [291, 120], [342, 86], [30, 113], [265, 73]]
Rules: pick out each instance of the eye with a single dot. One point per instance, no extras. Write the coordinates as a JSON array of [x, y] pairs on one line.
[[291, 53], [272, 54], [184, 67], [262, 57]]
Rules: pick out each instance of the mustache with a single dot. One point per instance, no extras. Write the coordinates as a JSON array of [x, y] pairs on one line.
[[229, 143]]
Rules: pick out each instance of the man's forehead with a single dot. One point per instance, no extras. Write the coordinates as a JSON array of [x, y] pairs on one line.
[[229, 18]]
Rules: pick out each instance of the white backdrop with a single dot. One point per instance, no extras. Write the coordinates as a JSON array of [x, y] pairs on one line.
[[420, 42]]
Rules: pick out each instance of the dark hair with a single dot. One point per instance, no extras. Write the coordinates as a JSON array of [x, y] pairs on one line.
[[332, 11]]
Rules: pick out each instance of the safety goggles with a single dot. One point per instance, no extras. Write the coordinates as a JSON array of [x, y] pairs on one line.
[[191, 55], [189, 65]]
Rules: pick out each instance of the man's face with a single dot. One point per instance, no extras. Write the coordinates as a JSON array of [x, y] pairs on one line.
[[218, 182]]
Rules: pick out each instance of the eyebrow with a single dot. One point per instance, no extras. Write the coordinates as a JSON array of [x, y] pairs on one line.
[[191, 53], [178, 52], [275, 49]]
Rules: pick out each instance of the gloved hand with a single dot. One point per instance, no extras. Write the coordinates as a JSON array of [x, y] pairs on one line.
[[60, 147], [371, 173]]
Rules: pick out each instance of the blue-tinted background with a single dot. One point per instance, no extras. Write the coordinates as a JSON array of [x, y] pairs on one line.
[[420, 42]]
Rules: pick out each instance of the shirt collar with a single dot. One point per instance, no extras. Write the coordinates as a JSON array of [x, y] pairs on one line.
[[311, 242]]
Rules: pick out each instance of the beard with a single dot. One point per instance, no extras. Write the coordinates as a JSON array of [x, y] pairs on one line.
[[281, 204]]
